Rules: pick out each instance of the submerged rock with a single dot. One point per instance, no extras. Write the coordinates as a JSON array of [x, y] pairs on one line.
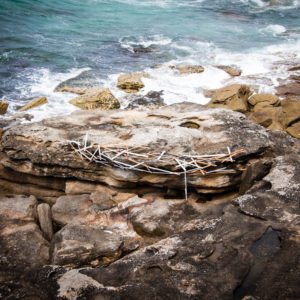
[[96, 99]]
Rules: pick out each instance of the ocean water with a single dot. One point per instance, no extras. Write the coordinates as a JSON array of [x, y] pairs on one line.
[[43, 43]]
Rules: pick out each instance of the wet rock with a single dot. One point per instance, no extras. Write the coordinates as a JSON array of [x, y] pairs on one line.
[[152, 99], [131, 82], [45, 220], [189, 69], [96, 99], [3, 107], [234, 97], [231, 70], [85, 80], [34, 103]]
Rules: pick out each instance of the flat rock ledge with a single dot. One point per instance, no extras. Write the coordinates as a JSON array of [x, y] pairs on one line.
[[79, 228]]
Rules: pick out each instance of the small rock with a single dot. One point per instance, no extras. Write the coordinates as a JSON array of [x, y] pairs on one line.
[[231, 70], [34, 103], [131, 82], [189, 69], [96, 99], [267, 99], [45, 220], [3, 107]]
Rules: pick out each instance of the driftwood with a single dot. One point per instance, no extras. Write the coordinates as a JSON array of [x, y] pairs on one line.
[[140, 159]]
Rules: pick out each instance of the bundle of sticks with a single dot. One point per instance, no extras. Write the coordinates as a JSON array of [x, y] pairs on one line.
[[142, 160]]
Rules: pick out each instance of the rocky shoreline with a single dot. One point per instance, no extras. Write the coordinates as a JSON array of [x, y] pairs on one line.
[[168, 202]]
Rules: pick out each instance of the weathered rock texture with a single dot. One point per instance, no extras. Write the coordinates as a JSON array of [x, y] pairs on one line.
[[121, 234], [42, 149], [131, 82], [96, 99], [264, 109]]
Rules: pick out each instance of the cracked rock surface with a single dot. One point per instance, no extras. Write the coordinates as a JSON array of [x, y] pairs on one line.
[[127, 235]]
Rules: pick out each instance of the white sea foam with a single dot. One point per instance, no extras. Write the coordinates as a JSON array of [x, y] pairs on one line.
[[131, 43], [43, 83], [274, 29], [261, 68]]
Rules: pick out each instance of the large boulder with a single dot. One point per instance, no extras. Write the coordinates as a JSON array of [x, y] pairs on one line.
[[96, 99], [44, 149], [131, 82], [234, 97]]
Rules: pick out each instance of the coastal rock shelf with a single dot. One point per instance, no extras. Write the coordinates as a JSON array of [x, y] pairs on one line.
[[76, 227], [45, 149]]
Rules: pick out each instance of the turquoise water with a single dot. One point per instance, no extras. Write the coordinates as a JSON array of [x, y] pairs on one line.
[[42, 38]]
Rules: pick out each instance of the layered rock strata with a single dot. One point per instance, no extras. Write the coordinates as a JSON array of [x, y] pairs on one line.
[[112, 233]]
